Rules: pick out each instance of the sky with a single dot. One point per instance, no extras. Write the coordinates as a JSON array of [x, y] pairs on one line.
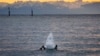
[[12, 1], [79, 7]]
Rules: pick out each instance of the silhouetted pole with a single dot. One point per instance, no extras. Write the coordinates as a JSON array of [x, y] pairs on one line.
[[31, 12], [8, 11]]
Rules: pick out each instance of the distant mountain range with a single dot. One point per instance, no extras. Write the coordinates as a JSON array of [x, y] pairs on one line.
[[21, 8]]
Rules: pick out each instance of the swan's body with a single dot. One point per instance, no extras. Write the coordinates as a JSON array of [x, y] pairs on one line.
[[50, 44]]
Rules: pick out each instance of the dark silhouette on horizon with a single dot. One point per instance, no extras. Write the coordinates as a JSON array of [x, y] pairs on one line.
[[31, 12], [9, 11]]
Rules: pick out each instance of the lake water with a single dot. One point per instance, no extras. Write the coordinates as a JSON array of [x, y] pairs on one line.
[[74, 35]]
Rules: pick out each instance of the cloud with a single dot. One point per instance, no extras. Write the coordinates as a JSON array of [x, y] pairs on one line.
[[13, 1], [59, 4], [53, 8], [74, 5]]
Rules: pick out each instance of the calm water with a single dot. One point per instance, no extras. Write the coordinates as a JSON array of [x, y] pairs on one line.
[[75, 35]]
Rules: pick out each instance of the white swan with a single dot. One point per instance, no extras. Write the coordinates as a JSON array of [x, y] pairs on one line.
[[50, 44]]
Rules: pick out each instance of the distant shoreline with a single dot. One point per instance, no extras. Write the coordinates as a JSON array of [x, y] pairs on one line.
[[52, 15]]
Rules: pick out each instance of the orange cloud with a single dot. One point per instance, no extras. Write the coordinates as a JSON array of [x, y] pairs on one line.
[[8, 1], [12, 1], [91, 0], [70, 0]]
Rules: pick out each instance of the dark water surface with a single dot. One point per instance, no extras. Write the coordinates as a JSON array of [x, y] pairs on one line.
[[75, 35]]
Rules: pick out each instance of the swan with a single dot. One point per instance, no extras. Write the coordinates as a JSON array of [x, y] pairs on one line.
[[49, 44]]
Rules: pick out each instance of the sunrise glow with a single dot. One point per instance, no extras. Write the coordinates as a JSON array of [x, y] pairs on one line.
[[91, 0], [12, 1]]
